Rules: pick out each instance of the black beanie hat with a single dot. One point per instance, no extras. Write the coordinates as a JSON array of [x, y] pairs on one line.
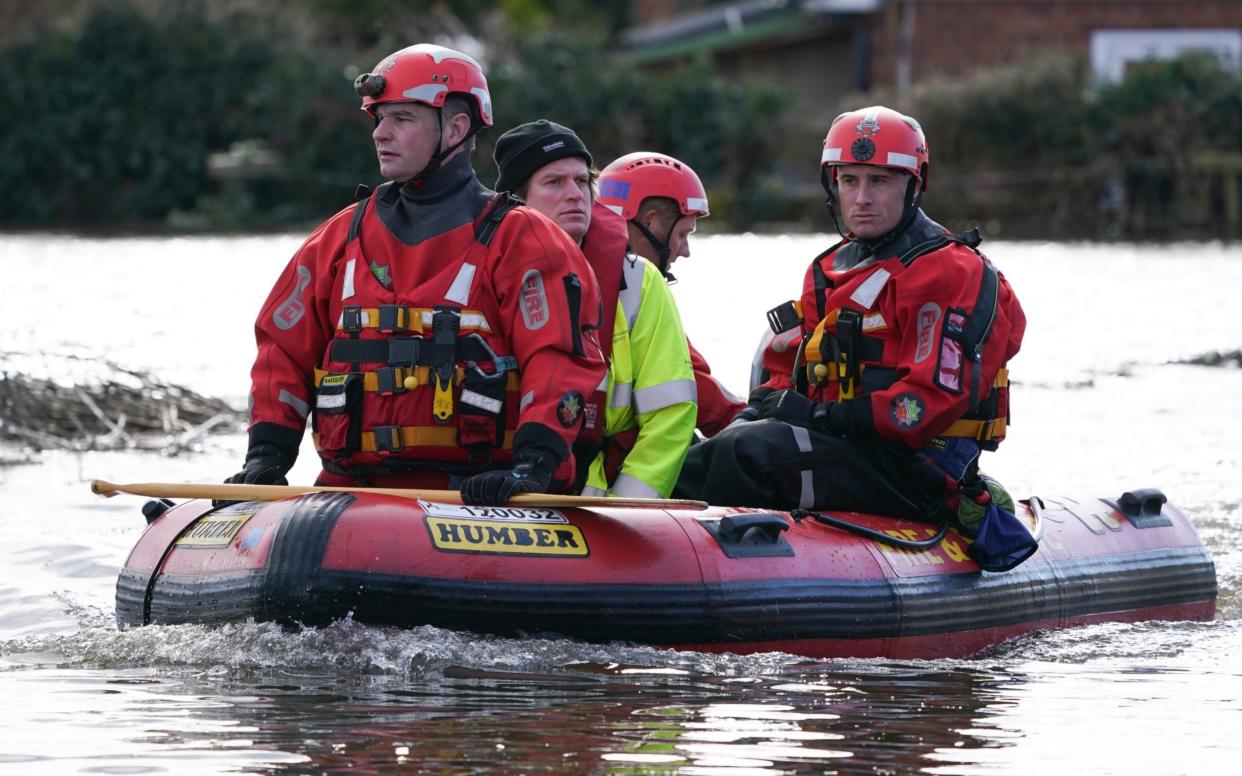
[[521, 151]]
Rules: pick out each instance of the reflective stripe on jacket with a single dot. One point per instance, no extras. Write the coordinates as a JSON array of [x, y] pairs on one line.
[[651, 388]]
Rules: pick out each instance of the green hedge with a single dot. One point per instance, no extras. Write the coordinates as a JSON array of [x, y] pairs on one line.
[[109, 122], [1042, 150], [113, 120]]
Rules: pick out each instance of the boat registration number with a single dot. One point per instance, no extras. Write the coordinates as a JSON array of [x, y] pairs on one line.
[[215, 530], [521, 514]]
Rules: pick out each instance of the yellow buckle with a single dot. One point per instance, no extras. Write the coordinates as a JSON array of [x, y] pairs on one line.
[[442, 404]]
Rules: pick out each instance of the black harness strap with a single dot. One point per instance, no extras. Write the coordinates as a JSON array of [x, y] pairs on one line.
[[486, 228]]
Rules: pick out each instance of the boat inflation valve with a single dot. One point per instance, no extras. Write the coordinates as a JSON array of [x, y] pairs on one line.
[[155, 508]]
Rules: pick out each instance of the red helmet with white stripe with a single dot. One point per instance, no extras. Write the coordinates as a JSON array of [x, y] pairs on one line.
[[428, 74], [624, 184], [877, 136]]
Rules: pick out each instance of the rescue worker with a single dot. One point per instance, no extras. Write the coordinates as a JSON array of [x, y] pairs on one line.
[[439, 335], [649, 410], [662, 200], [900, 381]]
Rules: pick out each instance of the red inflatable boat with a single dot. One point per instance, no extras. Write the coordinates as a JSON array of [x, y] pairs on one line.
[[706, 579]]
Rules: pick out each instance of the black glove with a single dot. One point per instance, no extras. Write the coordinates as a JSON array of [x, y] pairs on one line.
[[531, 473], [798, 410], [272, 453], [751, 410]]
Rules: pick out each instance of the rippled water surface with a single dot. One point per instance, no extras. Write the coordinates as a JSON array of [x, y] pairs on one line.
[[1099, 409]]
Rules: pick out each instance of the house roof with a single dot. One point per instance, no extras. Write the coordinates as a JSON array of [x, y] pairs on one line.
[[734, 25]]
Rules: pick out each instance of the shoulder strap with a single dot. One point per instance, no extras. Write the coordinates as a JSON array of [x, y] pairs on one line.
[[355, 225], [485, 228], [821, 279], [970, 238]]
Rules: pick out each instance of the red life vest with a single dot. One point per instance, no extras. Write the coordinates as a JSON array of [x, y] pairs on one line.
[[921, 338], [420, 375]]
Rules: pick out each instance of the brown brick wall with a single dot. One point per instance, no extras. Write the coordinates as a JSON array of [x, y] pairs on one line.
[[956, 36]]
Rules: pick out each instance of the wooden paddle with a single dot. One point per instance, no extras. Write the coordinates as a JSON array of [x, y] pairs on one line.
[[230, 492]]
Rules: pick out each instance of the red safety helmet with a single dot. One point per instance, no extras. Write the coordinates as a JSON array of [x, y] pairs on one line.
[[425, 73], [878, 136], [624, 184]]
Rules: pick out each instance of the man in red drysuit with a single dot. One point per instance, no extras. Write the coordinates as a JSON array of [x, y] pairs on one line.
[[900, 379], [437, 334]]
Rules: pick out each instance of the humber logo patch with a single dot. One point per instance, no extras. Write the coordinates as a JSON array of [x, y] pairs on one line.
[[506, 538]]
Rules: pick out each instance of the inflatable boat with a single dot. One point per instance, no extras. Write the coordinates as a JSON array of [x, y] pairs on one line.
[[669, 575]]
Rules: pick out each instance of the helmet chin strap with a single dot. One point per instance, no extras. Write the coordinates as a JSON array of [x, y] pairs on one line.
[[910, 206], [437, 159], [661, 247]]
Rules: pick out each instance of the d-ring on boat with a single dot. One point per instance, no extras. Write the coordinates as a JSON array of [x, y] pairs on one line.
[[670, 574]]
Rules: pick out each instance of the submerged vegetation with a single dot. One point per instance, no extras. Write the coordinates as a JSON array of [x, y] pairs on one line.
[[118, 409]]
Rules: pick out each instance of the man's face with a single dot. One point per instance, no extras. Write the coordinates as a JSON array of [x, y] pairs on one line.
[[872, 198], [561, 190], [678, 239], [406, 136]]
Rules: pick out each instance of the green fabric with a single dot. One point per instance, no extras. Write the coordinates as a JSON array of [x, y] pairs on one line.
[[651, 356], [970, 514]]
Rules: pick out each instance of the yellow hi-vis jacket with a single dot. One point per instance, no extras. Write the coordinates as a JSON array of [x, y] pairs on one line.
[[650, 387]]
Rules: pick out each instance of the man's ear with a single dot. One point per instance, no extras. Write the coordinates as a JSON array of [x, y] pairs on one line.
[[458, 127]]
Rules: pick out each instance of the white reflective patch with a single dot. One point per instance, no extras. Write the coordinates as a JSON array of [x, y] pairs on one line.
[[870, 288], [364, 319], [485, 100], [468, 320], [830, 155], [527, 398], [902, 160], [296, 403], [927, 318], [534, 300], [291, 310], [696, 204], [330, 401], [621, 394], [657, 397], [615, 208], [425, 92], [631, 297], [806, 499], [802, 438], [591, 490], [482, 402], [347, 285], [629, 486], [459, 292], [874, 321], [438, 53]]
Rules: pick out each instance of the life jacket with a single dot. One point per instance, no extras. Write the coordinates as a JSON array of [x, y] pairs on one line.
[[421, 379], [844, 357]]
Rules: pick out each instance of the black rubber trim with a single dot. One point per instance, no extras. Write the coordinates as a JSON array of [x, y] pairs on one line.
[[292, 590], [297, 591]]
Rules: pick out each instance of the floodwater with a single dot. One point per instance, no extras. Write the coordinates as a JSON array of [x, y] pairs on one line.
[[1100, 406]]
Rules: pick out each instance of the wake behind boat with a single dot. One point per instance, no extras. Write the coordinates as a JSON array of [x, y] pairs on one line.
[[713, 579]]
